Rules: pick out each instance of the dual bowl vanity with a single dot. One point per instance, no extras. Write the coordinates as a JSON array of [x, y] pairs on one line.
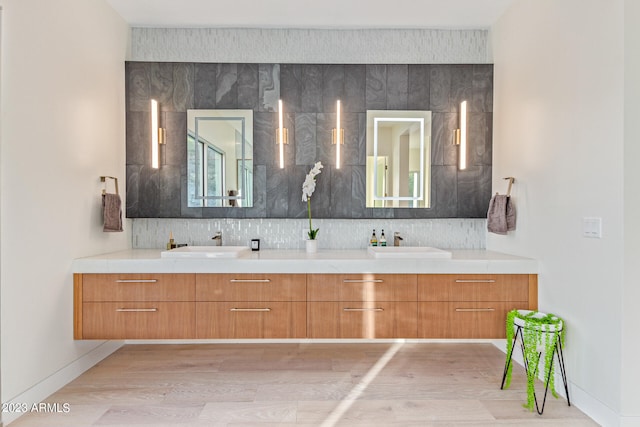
[[238, 251], [411, 293]]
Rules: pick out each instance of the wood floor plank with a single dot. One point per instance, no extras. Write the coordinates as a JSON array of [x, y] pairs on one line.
[[151, 414], [225, 413]]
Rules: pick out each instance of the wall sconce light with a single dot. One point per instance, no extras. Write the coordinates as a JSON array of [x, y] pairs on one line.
[[461, 137], [157, 134], [282, 134], [337, 135]]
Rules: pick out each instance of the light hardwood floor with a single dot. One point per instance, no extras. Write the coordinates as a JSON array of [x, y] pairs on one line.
[[379, 384]]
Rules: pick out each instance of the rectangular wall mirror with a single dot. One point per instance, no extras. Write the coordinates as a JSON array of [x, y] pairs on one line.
[[220, 158], [398, 159]]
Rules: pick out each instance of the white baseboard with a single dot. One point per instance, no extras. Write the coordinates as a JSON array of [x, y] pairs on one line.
[[592, 407], [595, 409], [59, 379]]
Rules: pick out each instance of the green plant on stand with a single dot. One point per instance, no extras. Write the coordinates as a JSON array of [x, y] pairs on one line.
[[536, 333]]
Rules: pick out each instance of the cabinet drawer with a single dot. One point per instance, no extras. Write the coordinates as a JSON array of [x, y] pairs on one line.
[[464, 319], [138, 287], [251, 319], [387, 319], [362, 287], [251, 287], [473, 287], [142, 320]]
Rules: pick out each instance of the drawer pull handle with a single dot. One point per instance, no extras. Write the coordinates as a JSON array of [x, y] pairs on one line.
[[362, 281], [250, 280], [136, 310], [137, 281], [475, 309], [251, 309], [363, 309], [475, 281]]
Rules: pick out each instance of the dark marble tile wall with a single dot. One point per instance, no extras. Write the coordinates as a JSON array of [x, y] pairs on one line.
[[309, 93]]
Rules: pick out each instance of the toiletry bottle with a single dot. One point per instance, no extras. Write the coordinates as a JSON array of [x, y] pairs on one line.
[[374, 239], [383, 240], [172, 243]]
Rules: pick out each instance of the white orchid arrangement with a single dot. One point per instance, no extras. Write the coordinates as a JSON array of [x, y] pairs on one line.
[[308, 187]]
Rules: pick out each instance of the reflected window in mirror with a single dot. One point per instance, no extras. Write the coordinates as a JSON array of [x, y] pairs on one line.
[[220, 158], [398, 159]]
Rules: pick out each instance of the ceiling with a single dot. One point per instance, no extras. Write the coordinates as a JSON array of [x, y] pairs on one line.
[[437, 14]]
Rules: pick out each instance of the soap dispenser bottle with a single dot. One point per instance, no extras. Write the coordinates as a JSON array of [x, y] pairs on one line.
[[383, 240], [374, 239], [172, 243]]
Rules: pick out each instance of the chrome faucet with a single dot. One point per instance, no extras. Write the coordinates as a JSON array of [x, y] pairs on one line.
[[396, 239], [217, 239]]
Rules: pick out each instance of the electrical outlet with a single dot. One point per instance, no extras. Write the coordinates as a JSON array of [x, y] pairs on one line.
[[592, 227]]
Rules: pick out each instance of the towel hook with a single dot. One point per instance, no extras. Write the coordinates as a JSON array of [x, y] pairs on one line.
[[511, 181], [104, 179]]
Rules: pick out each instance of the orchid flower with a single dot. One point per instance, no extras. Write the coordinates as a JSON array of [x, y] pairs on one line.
[[309, 184], [308, 187]]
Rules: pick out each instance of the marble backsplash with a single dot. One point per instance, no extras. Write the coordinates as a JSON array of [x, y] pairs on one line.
[[276, 233], [311, 46]]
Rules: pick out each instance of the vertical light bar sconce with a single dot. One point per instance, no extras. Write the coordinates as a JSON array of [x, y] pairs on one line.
[[157, 134], [337, 135], [155, 149], [282, 134], [461, 137]]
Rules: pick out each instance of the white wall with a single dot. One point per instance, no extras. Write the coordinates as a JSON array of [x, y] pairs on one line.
[[62, 127], [558, 128], [631, 296]]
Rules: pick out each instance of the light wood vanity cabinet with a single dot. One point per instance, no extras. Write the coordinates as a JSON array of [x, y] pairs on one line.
[[251, 305], [228, 306], [471, 306], [134, 306], [361, 305]]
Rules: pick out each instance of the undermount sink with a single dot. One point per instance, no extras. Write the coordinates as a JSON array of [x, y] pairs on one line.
[[206, 252], [407, 252]]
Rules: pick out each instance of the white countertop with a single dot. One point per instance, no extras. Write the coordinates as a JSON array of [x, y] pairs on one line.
[[298, 261]]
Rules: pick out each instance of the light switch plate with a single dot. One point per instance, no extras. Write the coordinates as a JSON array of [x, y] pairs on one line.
[[592, 227]]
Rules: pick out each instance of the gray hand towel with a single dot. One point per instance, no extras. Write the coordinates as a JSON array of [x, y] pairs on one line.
[[501, 216], [112, 212]]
